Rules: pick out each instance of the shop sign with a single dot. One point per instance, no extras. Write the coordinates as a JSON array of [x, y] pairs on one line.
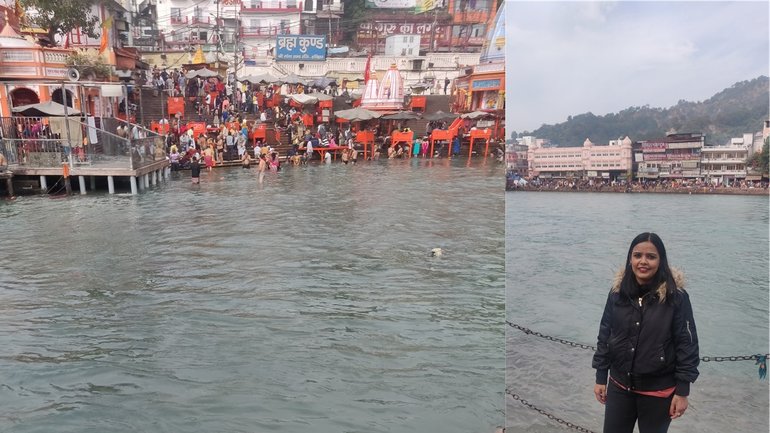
[[685, 145], [486, 85], [301, 48], [653, 147], [391, 4]]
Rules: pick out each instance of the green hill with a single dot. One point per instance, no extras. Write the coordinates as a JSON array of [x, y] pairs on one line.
[[730, 113]]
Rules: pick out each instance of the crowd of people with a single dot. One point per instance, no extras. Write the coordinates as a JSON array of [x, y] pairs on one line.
[[741, 186], [243, 121]]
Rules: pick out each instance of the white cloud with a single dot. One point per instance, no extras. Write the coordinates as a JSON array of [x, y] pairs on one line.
[[567, 58]]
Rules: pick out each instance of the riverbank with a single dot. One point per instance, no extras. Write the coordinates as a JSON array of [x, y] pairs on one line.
[[624, 190]]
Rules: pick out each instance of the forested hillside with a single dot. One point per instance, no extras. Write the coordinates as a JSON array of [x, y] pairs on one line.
[[730, 113]]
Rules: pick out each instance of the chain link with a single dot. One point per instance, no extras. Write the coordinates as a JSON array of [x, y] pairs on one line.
[[585, 346], [550, 416]]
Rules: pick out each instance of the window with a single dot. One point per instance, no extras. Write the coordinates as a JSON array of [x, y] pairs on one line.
[[291, 4], [176, 12]]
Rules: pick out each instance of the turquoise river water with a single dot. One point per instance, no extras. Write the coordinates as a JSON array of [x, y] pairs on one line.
[[306, 303], [562, 250]]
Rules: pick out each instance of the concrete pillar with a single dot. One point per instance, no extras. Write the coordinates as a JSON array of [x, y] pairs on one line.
[[93, 183], [133, 185], [9, 185], [43, 184], [154, 178], [167, 172], [110, 185], [146, 178], [82, 183]]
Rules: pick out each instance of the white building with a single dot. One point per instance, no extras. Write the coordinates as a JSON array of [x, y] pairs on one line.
[[724, 164], [402, 45]]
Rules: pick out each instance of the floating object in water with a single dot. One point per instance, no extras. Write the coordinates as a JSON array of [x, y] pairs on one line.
[[436, 252]]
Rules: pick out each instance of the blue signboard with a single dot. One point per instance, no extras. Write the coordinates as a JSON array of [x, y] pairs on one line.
[[300, 48], [486, 84]]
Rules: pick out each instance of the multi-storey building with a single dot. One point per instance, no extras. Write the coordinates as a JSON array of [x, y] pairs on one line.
[[263, 20], [676, 156], [611, 162], [396, 18], [724, 164], [25, 64], [184, 24], [469, 24]]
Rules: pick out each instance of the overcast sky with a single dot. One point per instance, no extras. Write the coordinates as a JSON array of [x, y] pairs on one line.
[[566, 58]]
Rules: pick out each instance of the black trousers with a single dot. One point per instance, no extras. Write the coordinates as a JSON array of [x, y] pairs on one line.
[[624, 408]]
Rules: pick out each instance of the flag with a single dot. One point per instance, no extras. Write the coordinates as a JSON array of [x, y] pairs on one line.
[[366, 69], [105, 43], [425, 5], [19, 11], [67, 42]]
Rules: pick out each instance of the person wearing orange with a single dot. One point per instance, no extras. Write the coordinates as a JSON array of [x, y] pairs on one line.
[[647, 350]]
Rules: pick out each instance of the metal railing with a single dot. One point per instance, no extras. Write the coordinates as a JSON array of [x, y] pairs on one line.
[[31, 142]]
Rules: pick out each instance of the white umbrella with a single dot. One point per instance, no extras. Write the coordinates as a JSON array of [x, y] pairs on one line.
[[49, 108], [357, 113], [475, 115]]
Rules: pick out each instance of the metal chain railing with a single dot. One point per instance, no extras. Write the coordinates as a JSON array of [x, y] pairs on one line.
[[548, 337], [760, 359], [549, 415], [757, 357]]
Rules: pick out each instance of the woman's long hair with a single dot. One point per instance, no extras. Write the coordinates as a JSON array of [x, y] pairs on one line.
[[629, 285]]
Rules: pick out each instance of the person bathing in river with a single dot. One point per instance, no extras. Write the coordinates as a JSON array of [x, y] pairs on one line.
[[246, 160], [195, 170]]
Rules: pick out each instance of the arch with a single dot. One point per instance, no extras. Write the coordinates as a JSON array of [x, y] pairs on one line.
[[56, 96], [23, 96]]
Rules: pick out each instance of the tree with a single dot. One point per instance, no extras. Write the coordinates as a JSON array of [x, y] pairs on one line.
[[62, 16], [355, 13]]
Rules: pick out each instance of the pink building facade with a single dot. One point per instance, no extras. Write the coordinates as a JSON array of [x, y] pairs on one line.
[[612, 161]]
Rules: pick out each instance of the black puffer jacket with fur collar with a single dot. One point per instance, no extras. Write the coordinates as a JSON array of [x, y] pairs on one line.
[[649, 343]]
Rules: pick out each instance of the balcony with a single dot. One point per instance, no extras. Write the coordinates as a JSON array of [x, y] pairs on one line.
[[470, 17], [247, 32], [202, 20], [33, 63], [270, 6], [178, 20], [337, 8]]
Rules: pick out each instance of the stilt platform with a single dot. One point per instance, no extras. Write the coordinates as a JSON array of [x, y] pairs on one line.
[[96, 176]]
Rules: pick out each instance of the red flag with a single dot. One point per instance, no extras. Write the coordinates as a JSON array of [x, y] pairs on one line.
[[366, 70], [67, 42]]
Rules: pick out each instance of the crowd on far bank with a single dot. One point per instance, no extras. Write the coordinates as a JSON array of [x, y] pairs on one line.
[[660, 186]]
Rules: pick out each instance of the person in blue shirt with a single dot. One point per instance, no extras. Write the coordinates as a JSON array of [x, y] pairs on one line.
[[456, 146]]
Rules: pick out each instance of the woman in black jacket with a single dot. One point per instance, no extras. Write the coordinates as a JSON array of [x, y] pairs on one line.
[[647, 344]]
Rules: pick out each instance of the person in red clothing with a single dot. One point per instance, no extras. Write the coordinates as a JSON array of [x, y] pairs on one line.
[[647, 350]]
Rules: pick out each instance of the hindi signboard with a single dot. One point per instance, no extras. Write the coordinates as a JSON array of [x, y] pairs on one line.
[[306, 48], [392, 4]]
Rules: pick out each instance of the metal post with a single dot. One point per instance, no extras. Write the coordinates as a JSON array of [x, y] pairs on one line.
[[67, 124], [141, 109], [128, 126]]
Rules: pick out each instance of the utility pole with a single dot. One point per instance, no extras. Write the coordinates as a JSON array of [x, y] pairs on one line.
[[236, 43], [433, 31]]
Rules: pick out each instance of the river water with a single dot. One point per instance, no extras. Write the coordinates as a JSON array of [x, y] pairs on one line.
[[306, 303], [562, 251]]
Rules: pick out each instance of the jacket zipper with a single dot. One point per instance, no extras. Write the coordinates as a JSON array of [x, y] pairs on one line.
[[688, 330]]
